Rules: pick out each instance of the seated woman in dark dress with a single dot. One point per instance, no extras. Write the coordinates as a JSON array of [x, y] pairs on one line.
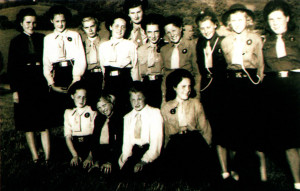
[[107, 136]]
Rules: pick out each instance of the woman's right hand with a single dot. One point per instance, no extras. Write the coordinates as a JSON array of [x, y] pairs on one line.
[[75, 161], [59, 89], [106, 168], [16, 97]]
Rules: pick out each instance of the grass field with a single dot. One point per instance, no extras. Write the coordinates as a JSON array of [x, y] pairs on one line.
[[18, 173]]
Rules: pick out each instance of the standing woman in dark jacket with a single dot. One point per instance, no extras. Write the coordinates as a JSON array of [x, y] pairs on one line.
[[28, 83], [212, 67], [107, 136], [282, 91]]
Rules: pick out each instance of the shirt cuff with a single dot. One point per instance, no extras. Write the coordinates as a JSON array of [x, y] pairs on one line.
[[76, 78]]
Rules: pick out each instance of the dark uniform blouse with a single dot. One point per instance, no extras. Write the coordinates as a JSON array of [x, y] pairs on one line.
[[113, 150], [289, 62]]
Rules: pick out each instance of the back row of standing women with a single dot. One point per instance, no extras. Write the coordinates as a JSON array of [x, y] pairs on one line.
[[249, 85]]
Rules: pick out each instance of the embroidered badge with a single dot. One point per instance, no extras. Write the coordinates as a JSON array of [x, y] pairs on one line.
[[184, 51], [173, 111], [249, 42], [86, 115], [292, 38], [70, 39]]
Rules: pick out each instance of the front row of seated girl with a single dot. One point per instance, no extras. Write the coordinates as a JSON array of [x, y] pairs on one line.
[[134, 145]]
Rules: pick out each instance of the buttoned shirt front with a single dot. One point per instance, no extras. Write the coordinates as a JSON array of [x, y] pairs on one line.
[[187, 60], [87, 118], [252, 56], [195, 118], [145, 67], [290, 61], [74, 51], [151, 133], [125, 55]]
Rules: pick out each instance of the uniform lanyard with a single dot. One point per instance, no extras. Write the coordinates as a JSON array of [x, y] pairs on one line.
[[211, 79]]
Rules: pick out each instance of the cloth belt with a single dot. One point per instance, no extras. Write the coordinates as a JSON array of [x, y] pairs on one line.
[[152, 77]]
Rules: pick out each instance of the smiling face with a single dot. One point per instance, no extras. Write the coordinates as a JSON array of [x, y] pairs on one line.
[[153, 33], [59, 22], [183, 89], [104, 107], [136, 14], [90, 28], [28, 24], [278, 21], [79, 98], [238, 21], [207, 28], [173, 32], [137, 100], [118, 28]]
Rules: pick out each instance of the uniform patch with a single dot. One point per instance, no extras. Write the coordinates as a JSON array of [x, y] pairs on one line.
[[249, 42], [87, 115], [184, 51]]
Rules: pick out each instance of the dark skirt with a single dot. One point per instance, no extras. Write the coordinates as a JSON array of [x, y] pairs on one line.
[[213, 101], [243, 116], [32, 111], [282, 110], [153, 90], [93, 83]]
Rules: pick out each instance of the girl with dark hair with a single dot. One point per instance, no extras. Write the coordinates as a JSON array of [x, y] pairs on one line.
[[187, 131], [64, 60], [281, 84], [118, 59], [28, 84]]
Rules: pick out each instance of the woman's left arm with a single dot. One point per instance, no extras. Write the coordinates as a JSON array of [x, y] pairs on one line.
[[203, 123]]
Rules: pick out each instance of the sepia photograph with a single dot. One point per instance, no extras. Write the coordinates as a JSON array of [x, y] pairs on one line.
[[150, 95]]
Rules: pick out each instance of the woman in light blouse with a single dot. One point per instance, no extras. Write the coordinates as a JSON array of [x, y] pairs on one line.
[[187, 131]]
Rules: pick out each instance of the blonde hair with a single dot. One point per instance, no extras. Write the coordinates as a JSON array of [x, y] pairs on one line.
[[249, 20]]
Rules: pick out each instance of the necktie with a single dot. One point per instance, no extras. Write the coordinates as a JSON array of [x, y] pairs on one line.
[[175, 58], [151, 57], [138, 36], [280, 47], [181, 115], [30, 46], [138, 126], [104, 138], [61, 47], [113, 53], [92, 58], [77, 122], [208, 55], [237, 56]]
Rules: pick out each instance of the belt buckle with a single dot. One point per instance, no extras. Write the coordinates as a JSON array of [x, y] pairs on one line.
[[114, 73], [37, 63], [283, 74], [80, 139], [96, 70], [238, 75], [63, 63], [152, 77]]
